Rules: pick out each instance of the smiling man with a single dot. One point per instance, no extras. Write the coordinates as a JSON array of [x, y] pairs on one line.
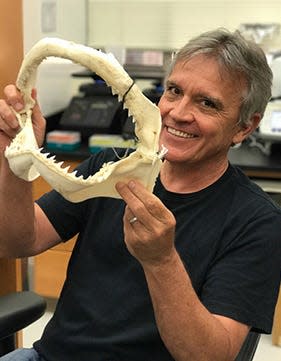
[[200, 111], [181, 274]]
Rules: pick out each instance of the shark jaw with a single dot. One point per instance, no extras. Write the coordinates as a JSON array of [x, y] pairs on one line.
[[27, 161]]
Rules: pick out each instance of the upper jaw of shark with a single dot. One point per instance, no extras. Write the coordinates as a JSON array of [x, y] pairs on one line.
[[27, 161]]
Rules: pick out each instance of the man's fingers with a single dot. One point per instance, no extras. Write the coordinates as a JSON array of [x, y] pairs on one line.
[[8, 121], [135, 205], [153, 204], [14, 97], [142, 202]]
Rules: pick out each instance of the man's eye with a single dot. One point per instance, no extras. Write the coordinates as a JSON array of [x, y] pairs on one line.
[[209, 103], [173, 90]]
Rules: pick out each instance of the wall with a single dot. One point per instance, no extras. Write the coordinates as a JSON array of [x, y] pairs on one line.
[[11, 41], [65, 19], [170, 23], [54, 18], [162, 24]]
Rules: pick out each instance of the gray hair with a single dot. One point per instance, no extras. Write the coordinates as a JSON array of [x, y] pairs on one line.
[[235, 54]]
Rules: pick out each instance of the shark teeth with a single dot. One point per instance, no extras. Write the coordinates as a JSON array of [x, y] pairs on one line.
[[114, 91]]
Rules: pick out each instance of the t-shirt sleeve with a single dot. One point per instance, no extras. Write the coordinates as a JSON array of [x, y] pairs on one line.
[[243, 281], [65, 216]]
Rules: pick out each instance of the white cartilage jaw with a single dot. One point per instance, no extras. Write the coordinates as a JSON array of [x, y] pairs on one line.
[[28, 162]]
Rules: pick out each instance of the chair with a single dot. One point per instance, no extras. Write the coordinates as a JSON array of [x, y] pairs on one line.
[[17, 310], [249, 347]]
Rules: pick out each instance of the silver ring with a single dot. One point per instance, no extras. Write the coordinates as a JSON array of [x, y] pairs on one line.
[[133, 220]]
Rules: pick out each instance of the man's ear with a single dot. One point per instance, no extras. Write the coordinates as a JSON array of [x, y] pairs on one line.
[[245, 131]]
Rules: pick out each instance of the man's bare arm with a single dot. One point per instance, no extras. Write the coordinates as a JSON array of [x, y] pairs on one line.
[[189, 331], [24, 230]]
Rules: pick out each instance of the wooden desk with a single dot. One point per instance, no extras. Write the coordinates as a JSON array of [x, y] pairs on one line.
[[50, 269], [11, 281], [276, 331], [11, 275]]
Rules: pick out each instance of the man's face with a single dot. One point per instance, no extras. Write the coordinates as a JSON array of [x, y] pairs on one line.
[[200, 111]]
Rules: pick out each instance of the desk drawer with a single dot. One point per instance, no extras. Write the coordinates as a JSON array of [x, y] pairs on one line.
[[49, 272], [276, 331]]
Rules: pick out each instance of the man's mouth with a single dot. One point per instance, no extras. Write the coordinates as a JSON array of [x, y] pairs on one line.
[[180, 133]]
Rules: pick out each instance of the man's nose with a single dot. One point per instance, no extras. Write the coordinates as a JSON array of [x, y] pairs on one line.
[[183, 111]]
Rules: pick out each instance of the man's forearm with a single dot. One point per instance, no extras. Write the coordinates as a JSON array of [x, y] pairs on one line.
[[17, 213], [188, 330]]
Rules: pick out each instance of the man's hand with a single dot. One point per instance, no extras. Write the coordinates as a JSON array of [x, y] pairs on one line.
[[9, 125], [149, 238]]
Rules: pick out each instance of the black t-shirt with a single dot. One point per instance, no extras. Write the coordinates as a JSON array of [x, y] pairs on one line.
[[228, 236]]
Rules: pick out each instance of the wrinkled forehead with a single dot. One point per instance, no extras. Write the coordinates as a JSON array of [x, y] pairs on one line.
[[226, 70]]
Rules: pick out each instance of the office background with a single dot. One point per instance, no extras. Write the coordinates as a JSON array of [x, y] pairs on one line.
[[141, 24], [118, 24]]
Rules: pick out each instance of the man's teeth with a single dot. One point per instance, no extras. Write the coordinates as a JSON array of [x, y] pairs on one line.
[[181, 134]]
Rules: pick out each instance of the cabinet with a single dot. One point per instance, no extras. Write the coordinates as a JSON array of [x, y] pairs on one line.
[[11, 41], [50, 266], [276, 331]]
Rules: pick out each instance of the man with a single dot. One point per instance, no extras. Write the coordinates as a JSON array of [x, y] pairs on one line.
[[181, 274]]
